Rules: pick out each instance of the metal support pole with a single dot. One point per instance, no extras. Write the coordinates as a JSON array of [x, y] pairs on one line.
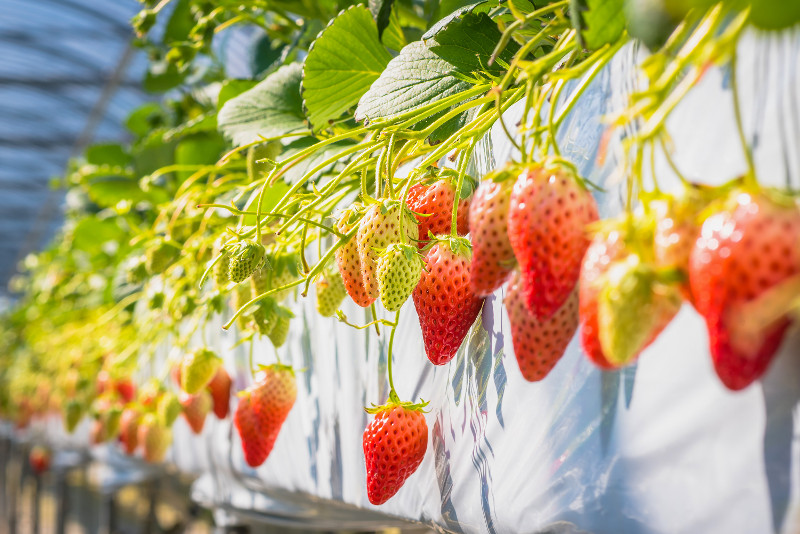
[[37, 486], [12, 480], [151, 524], [62, 501], [108, 520]]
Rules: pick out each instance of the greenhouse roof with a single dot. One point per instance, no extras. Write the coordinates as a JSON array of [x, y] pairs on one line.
[[68, 78]]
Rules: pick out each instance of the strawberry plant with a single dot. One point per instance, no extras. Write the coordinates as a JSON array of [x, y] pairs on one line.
[[342, 162]]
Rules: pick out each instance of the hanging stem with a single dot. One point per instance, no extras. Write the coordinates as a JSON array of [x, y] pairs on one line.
[[750, 179], [389, 357]]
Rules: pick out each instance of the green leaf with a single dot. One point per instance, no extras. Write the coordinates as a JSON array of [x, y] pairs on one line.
[[598, 22], [774, 14], [342, 63], [381, 11], [232, 88], [107, 191], [263, 55], [145, 118], [180, 23], [91, 233], [270, 109], [108, 154], [271, 197], [427, 71], [394, 37], [162, 76], [198, 150]]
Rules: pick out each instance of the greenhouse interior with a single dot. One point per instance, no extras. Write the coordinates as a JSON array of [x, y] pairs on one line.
[[400, 266]]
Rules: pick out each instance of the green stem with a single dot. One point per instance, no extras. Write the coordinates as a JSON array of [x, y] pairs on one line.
[[750, 179], [462, 169], [389, 357]]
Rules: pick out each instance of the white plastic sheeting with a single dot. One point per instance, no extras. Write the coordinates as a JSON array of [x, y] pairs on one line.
[[659, 447]]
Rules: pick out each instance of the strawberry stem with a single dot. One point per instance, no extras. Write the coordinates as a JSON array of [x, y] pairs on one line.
[[392, 392], [462, 170], [374, 318], [750, 178]]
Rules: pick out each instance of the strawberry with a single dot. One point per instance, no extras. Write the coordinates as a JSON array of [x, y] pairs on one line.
[[607, 247], [160, 254], [434, 204], [330, 293], [445, 305], [169, 408], [262, 409], [39, 459], [633, 307], [260, 279], [492, 256], [195, 409], [349, 262], [245, 257], [249, 429], [240, 296], [151, 391], [73, 413], [128, 430], [394, 445], [285, 270], [399, 271], [547, 218], [154, 437], [379, 228], [198, 368], [280, 331], [220, 389], [125, 388], [274, 394], [265, 316], [744, 272], [539, 344], [675, 233], [222, 266]]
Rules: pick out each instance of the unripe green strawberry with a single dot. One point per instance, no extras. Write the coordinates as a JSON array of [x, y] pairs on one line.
[[284, 271], [72, 415], [399, 270], [160, 255], [261, 277], [154, 437], [280, 331], [245, 257], [197, 369], [265, 316], [169, 408], [330, 293], [633, 308], [379, 228], [222, 266], [240, 296]]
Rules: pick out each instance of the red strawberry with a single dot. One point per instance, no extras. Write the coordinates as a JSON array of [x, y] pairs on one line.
[[547, 221], [247, 424], [39, 459], [379, 228], [394, 446], [539, 344], [492, 256], [125, 388], [675, 234], [606, 248], [220, 389], [128, 430], [435, 205], [262, 409], [445, 304], [348, 261], [744, 273], [195, 409]]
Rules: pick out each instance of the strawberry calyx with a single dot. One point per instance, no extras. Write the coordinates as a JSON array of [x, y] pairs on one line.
[[276, 366], [458, 244], [394, 401]]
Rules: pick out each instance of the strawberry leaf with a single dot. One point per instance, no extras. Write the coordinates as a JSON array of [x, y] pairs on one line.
[[334, 77], [598, 22], [270, 109], [427, 71], [381, 11]]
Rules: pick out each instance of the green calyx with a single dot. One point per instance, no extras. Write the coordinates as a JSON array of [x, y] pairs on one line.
[[394, 401]]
